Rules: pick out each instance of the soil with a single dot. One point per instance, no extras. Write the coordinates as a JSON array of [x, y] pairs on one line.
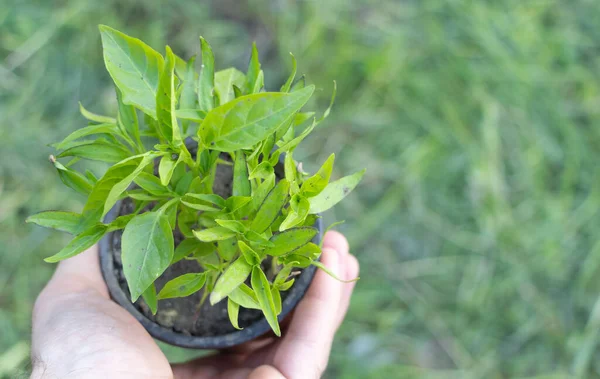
[[182, 314]]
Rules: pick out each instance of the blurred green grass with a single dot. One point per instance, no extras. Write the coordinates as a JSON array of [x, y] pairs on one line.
[[477, 224]]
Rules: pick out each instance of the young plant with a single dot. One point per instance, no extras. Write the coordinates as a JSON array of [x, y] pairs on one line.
[[267, 222]]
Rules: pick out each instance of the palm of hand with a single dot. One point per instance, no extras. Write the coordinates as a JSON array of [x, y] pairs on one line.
[[78, 332]]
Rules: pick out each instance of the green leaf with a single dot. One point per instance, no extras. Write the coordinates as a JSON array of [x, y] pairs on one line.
[[241, 184], [274, 159], [288, 84], [141, 195], [209, 198], [234, 275], [195, 115], [64, 221], [188, 92], [72, 179], [205, 250], [257, 239], [260, 82], [166, 100], [282, 275], [186, 248], [271, 207], [216, 98], [207, 160], [179, 171], [261, 192], [83, 241], [316, 183], [213, 266], [84, 132], [91, 177], [334, 192], [224, 82], [276, 299], [250, 255], [98, 150], [247, 120], [300, 83], [217, 233], [245, 297], [311, 220], [115, 181], [301, 117], [150, 298], [237, 92], [261, 287], [299, 207], [170, 210], [252, 76], [262, 171], [165, 169], [330, 273], [183, 184], [267, 146], [310, 250], [233, 225], [146, 250], [297, 260], [290, 240], [206, 80], [227, 248], [186, 221], [199, 206], [151, 184], [127, 119], [135, 68], [182, 286], [180, 66], [294, 142], [120, 222], [152, 127], [95, 117], [290, 168], [233, 310], [302, 256], [203, 202], [233, 203], [286, 285]]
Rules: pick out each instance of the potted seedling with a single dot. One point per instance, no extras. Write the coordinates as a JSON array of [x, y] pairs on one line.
[[209, 231]]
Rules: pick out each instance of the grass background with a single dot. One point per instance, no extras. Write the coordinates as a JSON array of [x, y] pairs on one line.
[[477, 222]]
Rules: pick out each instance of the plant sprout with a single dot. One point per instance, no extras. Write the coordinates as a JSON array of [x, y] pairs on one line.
[[268, 221]]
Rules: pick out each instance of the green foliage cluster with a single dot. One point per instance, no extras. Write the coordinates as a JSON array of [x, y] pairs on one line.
[[266, 222]]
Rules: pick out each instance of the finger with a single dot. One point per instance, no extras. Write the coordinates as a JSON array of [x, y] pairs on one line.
[[352, 270], [254, 345], [338, 242], [266, 372], [209, 366], [75, 325], [309, 337], [261, 372]]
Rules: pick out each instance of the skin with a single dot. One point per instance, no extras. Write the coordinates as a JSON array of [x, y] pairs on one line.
[[78, 332]]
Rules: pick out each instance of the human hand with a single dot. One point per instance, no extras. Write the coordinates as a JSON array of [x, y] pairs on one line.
[[78, 332]]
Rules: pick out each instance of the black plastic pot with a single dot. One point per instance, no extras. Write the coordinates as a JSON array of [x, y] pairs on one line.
[[172, 337]]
